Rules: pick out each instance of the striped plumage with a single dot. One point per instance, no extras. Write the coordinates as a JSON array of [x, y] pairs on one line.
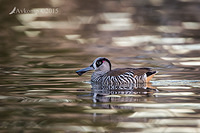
[[127, 77], [104, 75]]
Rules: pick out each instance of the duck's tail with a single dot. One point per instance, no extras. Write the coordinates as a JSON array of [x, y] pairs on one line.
[[150, 75]]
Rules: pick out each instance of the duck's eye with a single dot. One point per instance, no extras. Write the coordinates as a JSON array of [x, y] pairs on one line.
[[98, 63]]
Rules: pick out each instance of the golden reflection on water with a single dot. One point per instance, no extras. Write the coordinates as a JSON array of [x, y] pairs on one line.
[[191, 25], [116, 22]]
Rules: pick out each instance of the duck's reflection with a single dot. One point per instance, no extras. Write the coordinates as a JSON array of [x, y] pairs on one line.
[[122, 93]]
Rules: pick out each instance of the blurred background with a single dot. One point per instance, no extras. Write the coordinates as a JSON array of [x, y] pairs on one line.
[[44, 42]]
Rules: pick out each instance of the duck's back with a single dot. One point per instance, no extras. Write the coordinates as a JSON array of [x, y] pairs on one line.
[[136, 71]]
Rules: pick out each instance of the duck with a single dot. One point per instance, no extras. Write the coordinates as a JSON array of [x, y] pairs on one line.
[[104, 75]]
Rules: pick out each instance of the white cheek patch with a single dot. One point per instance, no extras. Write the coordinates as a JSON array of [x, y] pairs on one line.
[[94, 65]]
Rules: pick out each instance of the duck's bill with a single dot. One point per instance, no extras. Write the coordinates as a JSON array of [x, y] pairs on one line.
[[82, 71]]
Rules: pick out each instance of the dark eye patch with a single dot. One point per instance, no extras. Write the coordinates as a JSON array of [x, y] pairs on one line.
[[98, 63]]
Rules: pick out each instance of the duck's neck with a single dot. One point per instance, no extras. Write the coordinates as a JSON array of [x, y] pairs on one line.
[[97, 75]]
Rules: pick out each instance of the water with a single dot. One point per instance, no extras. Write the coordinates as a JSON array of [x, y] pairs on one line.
[[39, 54]]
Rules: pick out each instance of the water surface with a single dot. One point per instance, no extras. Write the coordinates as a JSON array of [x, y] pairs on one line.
[[39, 54]]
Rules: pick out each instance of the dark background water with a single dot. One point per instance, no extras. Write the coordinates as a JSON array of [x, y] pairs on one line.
[[43, 43]]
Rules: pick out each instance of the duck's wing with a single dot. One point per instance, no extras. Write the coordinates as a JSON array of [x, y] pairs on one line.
[[136, 71]]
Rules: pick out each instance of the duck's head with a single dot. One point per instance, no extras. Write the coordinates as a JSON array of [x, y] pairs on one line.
[[100, 64]]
